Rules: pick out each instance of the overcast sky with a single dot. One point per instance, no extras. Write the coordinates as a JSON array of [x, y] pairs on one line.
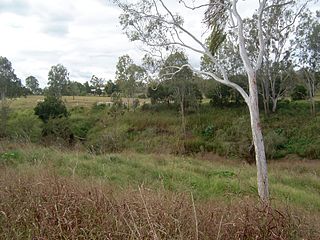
[[83, 35]]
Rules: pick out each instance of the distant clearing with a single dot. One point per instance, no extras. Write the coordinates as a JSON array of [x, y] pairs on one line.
[[84, 101]]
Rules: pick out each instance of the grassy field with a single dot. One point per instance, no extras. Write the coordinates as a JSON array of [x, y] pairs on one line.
[[85, 101], [294, 182], [49, 193], [125, 177]]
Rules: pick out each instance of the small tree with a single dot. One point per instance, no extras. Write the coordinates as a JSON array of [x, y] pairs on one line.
[[308, 52], [7, 82], [299, 92], [51, 107], [111, 87], [127, 76], [32, 84], [87, 88], [97, 84], [58, 79]]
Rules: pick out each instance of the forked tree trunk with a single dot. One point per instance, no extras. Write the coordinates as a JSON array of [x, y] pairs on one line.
[[265, 97], [266, 106], [261, 161], [274, 104]]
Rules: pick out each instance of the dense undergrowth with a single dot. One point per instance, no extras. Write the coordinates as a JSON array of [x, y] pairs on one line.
[[157, 129], [104, 173]]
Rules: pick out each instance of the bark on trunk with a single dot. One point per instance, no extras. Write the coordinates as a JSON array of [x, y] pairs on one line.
[[313, 107], [261, 162], [274, 104], [183, 120], [266, 97], [183, 125]]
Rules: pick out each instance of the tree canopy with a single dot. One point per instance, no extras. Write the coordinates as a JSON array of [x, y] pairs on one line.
[[58, 78]]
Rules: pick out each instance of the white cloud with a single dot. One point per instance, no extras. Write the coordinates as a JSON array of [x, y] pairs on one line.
[[83, 35]]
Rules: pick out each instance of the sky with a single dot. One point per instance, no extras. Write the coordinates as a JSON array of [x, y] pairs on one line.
[[83, 35]]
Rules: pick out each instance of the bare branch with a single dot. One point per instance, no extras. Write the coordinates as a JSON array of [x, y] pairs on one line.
[[260, 35], [194, 7]]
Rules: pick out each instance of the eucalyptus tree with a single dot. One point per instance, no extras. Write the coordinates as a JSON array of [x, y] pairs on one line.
[[97, 84], [58, 80], [179, 82], [307, 47], [277, 68], [8, 80], [128, 74], [153, 23], [32, 84]]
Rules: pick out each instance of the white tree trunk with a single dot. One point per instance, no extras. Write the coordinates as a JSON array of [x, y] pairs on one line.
[[274, 104], [261, 161]]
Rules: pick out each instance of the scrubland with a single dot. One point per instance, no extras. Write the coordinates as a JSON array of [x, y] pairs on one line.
[[102, 174]]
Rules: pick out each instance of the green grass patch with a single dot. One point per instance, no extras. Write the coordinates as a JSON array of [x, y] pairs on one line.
[[297, 184]]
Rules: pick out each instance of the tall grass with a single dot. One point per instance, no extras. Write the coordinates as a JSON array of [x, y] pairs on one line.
[[47, 206], [294, 182]]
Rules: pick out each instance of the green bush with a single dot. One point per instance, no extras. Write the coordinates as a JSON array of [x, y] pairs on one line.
[[98, 107], [51, 107], [312, 151], [299, 93], [80, 126], [105, 140], [274, 143], [208, 132], [58, 130], [24, 125]]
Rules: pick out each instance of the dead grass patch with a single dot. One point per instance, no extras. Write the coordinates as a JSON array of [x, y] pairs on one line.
[[45, 206]]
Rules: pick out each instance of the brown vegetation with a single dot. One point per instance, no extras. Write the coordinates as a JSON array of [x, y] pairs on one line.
[[45, 206]]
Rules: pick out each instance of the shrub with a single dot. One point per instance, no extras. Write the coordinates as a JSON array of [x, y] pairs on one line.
[[58, 130], [52, 107], [273, 143], [208, 132], [299, 93], [24, 125], [80, 126], [106, 140], [98, 107]]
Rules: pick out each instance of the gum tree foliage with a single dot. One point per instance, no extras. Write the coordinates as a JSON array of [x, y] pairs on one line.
[[74, 88], [32, 84], [153, 23], [128, 74], [97, 84], [8, 83], [307, 45], [58, 80], [183, 90], [111, 87], [221, 95], [275, 76], [182, 86], [87, 87]]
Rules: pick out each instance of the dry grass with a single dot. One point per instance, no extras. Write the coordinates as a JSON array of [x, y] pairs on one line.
[[85, 101], [44, 206]]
